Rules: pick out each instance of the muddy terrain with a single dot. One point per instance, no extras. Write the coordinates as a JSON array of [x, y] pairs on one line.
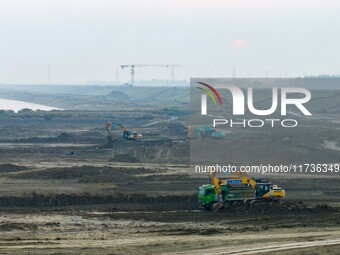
[[64, 191]]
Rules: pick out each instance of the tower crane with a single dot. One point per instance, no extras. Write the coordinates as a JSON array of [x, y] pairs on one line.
[[147, 65]]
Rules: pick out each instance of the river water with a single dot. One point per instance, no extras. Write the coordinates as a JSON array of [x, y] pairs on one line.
[[15, 105]]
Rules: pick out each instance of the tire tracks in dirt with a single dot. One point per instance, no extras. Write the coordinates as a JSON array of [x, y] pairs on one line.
[[269, 247]]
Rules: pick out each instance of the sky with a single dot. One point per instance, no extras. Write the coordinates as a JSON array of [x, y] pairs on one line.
[[88, 40]]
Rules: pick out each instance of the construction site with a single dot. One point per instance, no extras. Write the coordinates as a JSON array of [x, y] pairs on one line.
[[110, 174], [205, 127]]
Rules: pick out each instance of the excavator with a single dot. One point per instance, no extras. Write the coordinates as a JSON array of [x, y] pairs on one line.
[[127, 134], [203, 131], [238, 187]]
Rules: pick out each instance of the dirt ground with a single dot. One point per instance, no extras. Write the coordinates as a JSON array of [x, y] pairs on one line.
[[64, 192], [77, 231], [85, 206]]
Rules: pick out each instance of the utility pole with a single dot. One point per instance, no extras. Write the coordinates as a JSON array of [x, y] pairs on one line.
[[132, 70], [49, 74], [117, 75], [172, 73]]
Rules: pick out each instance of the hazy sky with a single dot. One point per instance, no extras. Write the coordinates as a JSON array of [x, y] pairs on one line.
[[88, 39]]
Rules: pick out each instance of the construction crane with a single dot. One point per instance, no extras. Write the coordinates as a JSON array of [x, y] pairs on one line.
[[147, 65]]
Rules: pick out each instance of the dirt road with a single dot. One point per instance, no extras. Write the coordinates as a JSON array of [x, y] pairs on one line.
[[262, 249], [70, 231]]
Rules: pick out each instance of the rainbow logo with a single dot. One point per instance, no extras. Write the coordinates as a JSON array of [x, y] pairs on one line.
[[210, 91]]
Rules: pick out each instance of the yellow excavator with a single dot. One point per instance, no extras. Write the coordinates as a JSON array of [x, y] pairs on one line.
[[237, 187], [127, 134]]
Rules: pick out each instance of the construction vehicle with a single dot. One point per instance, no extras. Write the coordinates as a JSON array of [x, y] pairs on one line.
[[132, 71], [238, 187], [127, 134], [201, 132]]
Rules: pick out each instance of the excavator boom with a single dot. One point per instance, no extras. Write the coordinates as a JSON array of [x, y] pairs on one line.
[[108, 127], [127, 134], [238, 186]]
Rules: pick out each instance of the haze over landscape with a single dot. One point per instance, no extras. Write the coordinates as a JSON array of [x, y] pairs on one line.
[[88, 40], [95, 162]]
